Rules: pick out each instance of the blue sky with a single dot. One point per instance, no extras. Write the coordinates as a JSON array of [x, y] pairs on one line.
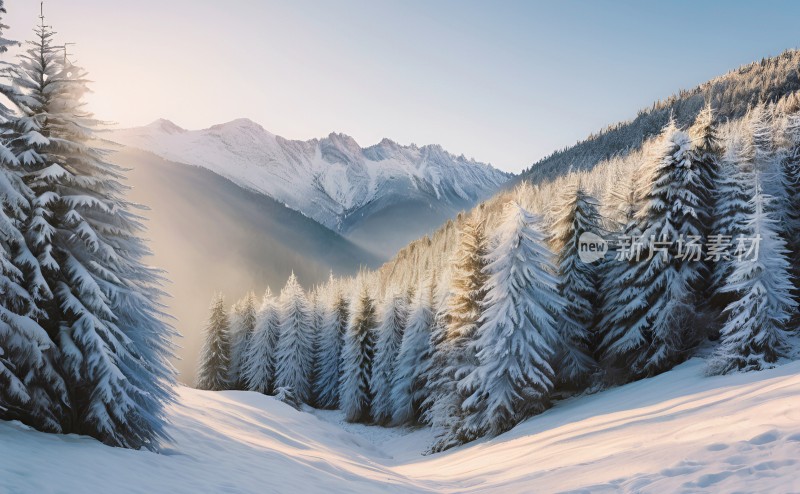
[[505, 82]]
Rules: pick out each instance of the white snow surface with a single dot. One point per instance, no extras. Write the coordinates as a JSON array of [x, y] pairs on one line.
[[677, 432], [326, 179]]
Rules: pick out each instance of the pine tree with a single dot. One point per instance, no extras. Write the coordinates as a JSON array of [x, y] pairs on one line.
[[294, 357], [791, 174], [101, 301], [767, 159], [513, 379], [358, 354], [389, 337], [243, 323], [647, 329], [791, 177], [575, 216], [731, 208], [456, 358], [31, 388], [706, 159], [468, 285], [259, 363], [436, 362], [317, 313], [615, 274], [215, 359], [450, 357], [616, 278], [754, 335], [407, 391], [333, 324]]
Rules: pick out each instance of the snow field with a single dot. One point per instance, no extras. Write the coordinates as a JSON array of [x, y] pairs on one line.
[[677, 432]]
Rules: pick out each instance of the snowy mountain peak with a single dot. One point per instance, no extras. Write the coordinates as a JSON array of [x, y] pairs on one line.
[[165, 126], [328, 179], [239, 124]]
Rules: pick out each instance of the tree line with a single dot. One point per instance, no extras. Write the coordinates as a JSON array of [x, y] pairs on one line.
[[497, 315]]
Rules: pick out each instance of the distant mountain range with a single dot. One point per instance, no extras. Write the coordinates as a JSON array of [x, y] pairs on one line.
[[380, 197], [234, 208]]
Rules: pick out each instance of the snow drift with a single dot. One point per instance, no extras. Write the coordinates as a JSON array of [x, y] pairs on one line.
[[677, 432]]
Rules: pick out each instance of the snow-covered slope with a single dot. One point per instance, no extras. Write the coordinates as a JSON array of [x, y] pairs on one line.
[[677, 432], [330, 180]]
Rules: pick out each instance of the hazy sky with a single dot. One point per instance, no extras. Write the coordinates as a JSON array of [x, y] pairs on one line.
[[504, 82]]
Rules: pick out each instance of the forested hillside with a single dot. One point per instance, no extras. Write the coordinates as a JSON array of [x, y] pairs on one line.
[[498, 314], [731, 96]]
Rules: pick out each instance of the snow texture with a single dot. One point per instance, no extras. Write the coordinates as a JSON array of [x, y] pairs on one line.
[[677, 432]]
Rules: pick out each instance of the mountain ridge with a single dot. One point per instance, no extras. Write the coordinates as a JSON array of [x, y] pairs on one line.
[[328, 179], [731, 95]]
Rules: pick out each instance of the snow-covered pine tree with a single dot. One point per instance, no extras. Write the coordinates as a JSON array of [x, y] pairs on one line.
[[31, 388], [468, 283], [259, 362], [767, 159], [731, 209], [513, 379], [294, 356], [243, 323], [389, 337], [707, 160], [236, 341], [438, 388], [358, 354], [791, 173], [575, 215], [622, 200], [646, 328], [333, 324], [456, 358], [407, 391], [451, 360], [616, 278], [213, 373], [791, 177], [754, 335], [614, 275], [105, 312], [707, 152], [317, 300]]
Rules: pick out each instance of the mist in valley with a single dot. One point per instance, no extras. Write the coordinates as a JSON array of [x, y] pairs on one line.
[[210, 235]]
